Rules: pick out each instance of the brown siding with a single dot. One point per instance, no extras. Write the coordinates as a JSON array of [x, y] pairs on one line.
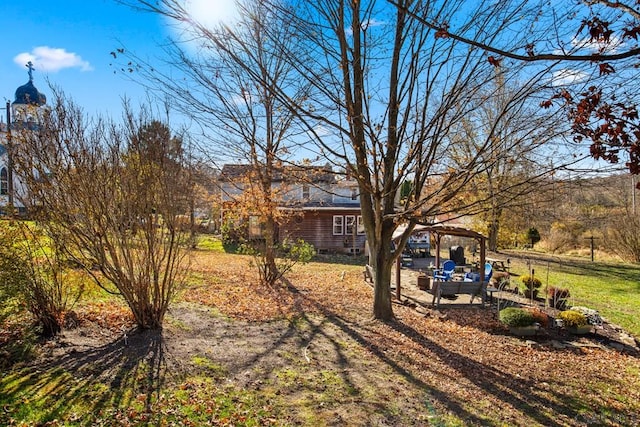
[[316, 227]]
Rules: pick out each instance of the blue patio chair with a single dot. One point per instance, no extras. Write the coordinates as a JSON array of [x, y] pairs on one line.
[[488, 271], [475, 277], [446, 272]]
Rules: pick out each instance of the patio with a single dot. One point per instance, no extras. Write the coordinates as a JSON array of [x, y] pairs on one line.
[[409, 285], [463, 292]]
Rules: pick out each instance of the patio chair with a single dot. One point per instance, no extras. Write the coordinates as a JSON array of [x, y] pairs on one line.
[[475, 277], [488, 271], [446, 272]]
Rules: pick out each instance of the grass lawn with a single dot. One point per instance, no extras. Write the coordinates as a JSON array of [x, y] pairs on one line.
[[611, 288], [233, 353]]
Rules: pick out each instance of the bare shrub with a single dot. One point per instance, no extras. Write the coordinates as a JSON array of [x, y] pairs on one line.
[[623, 237], [36, 267], [112, 192]]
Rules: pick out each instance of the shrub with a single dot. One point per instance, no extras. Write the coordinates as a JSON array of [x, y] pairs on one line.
[[288, 254], [558, 293], [32, 271], [516, 317], [573, 318], [558, 297], [233, 233], [593, 316], [531, 282], [539, 316]]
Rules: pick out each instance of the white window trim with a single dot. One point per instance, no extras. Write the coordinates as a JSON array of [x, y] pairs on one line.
[[360, 226], [338, 222], [349, 223]]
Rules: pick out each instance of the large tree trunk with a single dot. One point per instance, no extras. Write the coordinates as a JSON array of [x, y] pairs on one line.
[[382, 287], [493, 229], [382, 260]]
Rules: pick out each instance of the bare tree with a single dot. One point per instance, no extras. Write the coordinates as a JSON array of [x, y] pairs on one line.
[[112, 193], [229, 88], [597, 38], [386, 93], [397, 91], [527, 148]]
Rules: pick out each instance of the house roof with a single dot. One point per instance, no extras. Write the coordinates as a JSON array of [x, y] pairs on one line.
[[312, 174], [320, 206]]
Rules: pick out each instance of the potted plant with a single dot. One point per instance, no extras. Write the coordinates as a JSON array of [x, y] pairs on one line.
[[531, 286], [539, 316], [558, 297], [593, 316], [575, 322], [520, 321]]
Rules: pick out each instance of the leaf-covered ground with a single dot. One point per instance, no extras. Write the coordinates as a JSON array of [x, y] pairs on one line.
[[234, 353]]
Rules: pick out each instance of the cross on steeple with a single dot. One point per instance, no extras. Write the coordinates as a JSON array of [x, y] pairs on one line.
[[30, 67]]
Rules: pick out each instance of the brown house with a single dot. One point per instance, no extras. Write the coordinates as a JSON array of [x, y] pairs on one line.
[[325, 209]]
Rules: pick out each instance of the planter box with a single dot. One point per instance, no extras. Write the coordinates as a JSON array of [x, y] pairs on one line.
[[579, 330], [523, 331], [424, 283]]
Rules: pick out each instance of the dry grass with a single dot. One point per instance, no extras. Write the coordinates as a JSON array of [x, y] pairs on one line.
[[469, 367], [308, 353]]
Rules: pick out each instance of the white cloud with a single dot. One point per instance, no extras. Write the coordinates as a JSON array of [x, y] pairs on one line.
[[371, 23], [47, 58], [584, 45], [568, 76], [613, 46]]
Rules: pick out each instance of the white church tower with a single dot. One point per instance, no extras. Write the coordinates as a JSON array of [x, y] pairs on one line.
[[24, 113]]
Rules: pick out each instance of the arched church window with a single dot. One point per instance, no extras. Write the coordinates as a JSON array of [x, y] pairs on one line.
[[4, 181]]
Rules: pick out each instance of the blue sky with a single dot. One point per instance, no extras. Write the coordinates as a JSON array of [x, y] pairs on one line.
[[70, 42]]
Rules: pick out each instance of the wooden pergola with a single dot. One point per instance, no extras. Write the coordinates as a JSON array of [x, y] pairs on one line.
[[438, 231]]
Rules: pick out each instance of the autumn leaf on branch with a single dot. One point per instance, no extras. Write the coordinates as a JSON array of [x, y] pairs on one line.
[[631, 32], [494, 61], [529, 48], [605, 69], [598, 29], [443, 31], [546, 104]]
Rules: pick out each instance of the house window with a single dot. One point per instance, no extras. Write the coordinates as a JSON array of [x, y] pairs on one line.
[[255, 227], [338, 224], [360, 225], [354, 194], [305, 192], [4, 182], [350, 223]]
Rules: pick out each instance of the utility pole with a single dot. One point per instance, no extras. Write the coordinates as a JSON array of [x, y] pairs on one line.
[[592, 247]]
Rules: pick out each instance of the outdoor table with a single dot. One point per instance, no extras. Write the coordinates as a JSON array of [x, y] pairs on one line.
[[497, 264]]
